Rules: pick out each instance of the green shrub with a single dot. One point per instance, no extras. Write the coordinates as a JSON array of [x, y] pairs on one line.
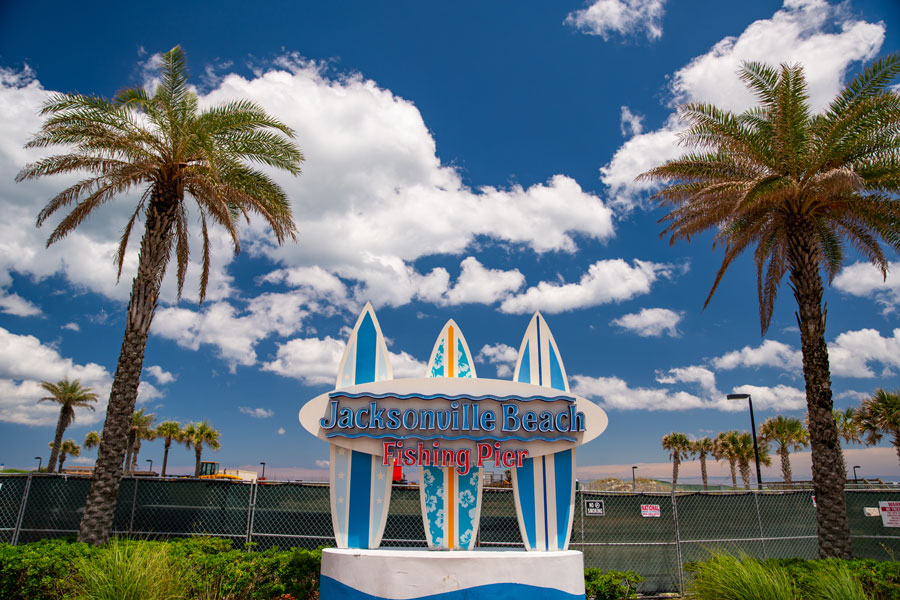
[[39, 570], [127, 570], [726, 577], [880, 580], [610, 585]]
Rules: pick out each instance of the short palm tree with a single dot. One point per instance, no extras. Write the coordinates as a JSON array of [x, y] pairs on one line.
[[848, 429], [725, 447], [168, 430], [789, 434], [702, 448], [880, 415], [92, 440], [69, 395], [742, 446], [198, 434], [166, 147], [140, 428], [680, 448], [797, 188], [67, 448]]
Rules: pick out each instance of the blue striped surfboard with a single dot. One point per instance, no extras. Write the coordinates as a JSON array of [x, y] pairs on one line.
[[544, 487], [360, 484], [451, 503]]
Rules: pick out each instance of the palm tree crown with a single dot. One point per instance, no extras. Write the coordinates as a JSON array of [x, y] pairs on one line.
[[790, 434], [69, 394], [880, 415], [195, 436], [796, 188], [679, 447], [168, 430], [165, 146]]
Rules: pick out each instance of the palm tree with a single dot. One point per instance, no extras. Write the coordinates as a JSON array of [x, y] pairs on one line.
[[790, 434], [197, 434], [701, 448], [880, 415], [145, 431], [742, 446], [67, 448], [139, 428], [91, 440], [168, 430], [797, 188], [70, 395], [848, 430], [679, 447], [165, 146], [726, 443]]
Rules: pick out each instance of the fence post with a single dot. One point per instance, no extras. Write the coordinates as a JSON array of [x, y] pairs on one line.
[[251, 511], [21, 515], [678, 543], [581, 502], [133, 502], [762, 537]]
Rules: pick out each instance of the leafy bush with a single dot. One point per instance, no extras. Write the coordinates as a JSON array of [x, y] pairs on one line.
[[880, 580], [726, 577], [39, 570], [128, 571], [610, 585]]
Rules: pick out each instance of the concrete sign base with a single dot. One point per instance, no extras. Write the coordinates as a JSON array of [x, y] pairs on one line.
[[419, 574]]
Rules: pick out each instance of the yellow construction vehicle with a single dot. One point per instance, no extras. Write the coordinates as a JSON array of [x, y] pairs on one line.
[[210, 470]]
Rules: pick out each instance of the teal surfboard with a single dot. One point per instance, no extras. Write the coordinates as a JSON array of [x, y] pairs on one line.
[[544, 487], [360, 484], [451, 503]]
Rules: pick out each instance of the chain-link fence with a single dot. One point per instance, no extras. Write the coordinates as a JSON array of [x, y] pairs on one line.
[[654, 534]]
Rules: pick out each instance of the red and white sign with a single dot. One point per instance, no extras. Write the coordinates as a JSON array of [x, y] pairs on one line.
[[890, 513], [652, 510]]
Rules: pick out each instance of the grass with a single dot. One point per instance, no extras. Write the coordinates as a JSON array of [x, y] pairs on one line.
[[128, 571]]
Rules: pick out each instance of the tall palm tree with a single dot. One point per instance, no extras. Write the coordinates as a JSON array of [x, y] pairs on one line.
[[701, 448], [880, 415], [198, 434], [742, 446], [725, 447], [140, 427], [165, 146], [145, 432], [797, 188], [69, 395], [680, 448], [790, 434], [848, 429], [168, 430], [91, 440], [67, 448]]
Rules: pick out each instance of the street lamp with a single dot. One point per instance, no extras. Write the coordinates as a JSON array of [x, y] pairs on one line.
[[633, 481], [854, 473], [39, 459], [753, 432], [150, 460], [263, 476]]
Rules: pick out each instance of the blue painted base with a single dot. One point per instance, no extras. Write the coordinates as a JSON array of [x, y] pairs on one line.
[[419, 574]]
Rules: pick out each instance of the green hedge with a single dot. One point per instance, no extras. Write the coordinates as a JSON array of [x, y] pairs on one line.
[[880, 580]]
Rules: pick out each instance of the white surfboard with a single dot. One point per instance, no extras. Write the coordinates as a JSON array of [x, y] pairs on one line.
[[544, 486], [360, 485], [451, 503]]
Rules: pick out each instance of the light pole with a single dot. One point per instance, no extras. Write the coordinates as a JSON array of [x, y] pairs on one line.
[[753, 433], [263, 476], [150, 460], [633, 480], [855, 480], [39, 459]]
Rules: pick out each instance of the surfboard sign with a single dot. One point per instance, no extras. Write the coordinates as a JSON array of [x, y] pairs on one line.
[[360, 482]]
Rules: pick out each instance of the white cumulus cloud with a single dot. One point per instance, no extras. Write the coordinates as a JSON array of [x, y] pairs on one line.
[[864, 280], [256, 413], [624, 17], [651, 322], [161, 376], [769, 354], [503, 357]]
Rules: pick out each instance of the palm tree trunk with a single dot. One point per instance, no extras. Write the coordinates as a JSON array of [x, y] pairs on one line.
[[675, 462], [703, 470], [57, 440], [166, 456], [130, 449], [745, 473], [62, 460], [785, 463], [828, 479], [198, 449], [731, 462], [843, 461], [96, 522], [897, 444], [134, 455]]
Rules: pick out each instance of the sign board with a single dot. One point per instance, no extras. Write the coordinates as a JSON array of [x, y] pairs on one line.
[[650, 510], [871, 511], [890, 513], [594, 508]]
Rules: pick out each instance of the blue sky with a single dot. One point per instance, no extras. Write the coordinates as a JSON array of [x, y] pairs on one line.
[[473, 161]]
